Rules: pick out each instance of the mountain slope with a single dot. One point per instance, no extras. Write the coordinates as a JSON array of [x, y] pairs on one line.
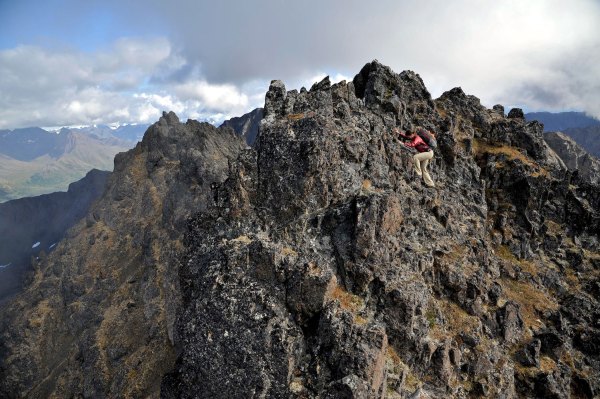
[[31, 225], [97, 318], [52, 168], [575, 157], [360, 282], [317, 265], [587, 137], [132, 133]]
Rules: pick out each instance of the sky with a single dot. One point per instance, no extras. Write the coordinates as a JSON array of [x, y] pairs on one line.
[[67, 62]]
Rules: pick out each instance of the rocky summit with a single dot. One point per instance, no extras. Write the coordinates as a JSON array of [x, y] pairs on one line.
[[316, 264]]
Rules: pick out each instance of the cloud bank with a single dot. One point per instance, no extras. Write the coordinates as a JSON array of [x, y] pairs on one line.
[[59, 88], [215, 59]]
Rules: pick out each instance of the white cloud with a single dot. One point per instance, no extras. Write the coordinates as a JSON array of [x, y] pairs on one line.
[[165, 102], [539, 54], [536, 53], [219, 97], [42, 87], [127, 82], [147, 113]]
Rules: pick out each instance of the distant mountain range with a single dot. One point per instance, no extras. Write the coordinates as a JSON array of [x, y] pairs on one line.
[[34, 161], [574, 156], [133, 133], [559, 121], [583, 129], [30, 143]]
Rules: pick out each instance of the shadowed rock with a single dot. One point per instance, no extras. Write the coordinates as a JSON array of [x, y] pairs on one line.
[[44, 219]]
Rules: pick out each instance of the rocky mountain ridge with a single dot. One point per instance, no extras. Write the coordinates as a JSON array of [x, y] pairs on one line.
[[97, 319], [246, 125], [574, 156], [317, 265], [586, 137]]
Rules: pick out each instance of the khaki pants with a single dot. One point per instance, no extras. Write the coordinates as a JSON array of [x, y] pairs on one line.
[[421, 162]]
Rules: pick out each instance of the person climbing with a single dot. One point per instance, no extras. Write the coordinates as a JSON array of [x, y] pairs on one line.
[[424, 152]]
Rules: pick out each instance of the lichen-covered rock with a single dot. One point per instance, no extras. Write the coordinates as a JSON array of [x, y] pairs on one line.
[[320, 266], [385, 288]]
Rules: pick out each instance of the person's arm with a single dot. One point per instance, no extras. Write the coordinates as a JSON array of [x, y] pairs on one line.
[[401, 134]]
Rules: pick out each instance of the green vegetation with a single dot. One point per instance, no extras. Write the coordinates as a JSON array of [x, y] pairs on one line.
[[45, 174], [526, 266], [348, 301], [512, 153], [533, 301]]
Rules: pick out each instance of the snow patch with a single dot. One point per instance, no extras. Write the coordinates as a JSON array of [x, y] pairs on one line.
[[5, 266], [37, 244], [52, 246]]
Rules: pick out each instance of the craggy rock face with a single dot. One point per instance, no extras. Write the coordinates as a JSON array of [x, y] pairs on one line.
[[320, 266], [325, 268], [575, 157], [97, 319], [246, 125]]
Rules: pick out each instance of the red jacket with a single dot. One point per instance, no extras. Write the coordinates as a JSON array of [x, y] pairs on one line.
[[417, 142]]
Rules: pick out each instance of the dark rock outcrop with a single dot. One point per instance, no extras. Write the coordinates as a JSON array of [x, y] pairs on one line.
[[317, 265], [246, 125]]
